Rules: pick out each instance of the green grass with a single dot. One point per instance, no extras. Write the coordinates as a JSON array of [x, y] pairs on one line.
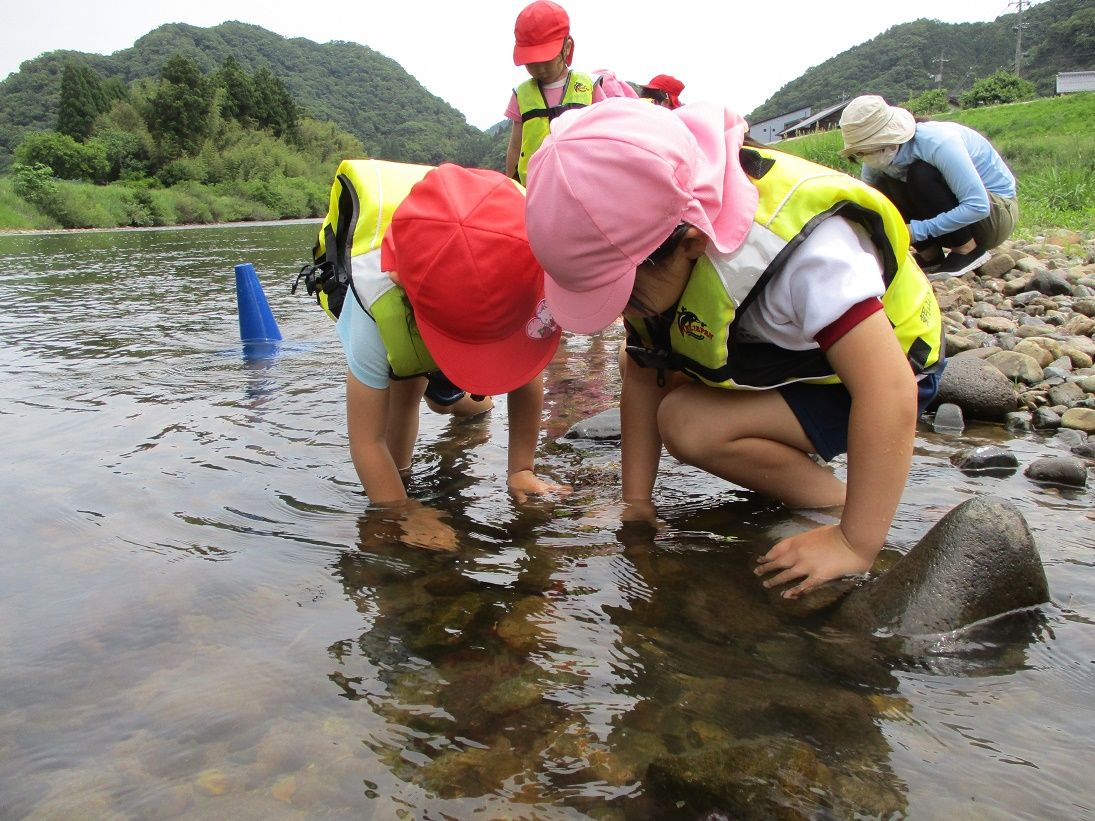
[[238, 175], [17, 214], [85, 205], [1049, 143]]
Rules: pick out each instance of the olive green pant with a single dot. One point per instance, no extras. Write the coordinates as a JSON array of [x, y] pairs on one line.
[[998, 225]]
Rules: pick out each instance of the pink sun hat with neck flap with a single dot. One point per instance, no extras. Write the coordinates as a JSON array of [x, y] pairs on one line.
[[610, 184]]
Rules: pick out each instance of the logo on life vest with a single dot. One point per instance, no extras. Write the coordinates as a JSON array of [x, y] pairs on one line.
[[691, 325], [542, 325], [580, 87]]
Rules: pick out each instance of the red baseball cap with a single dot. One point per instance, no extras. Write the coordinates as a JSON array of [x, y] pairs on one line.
[[541, 29], [670, 85], [459, 245]]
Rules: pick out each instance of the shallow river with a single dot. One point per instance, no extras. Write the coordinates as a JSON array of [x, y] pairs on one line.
[[200, 617]]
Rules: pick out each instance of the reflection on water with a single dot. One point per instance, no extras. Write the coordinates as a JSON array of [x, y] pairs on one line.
[[200, 617]]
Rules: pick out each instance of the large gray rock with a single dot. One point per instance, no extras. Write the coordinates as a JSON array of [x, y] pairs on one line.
[[978, 561], [604, 425], [978, 388]]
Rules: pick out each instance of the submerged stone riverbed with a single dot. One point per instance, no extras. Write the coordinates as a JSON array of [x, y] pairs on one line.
[[200, 617]]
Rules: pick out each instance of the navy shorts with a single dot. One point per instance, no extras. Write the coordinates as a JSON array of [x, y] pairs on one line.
[[823, 411], [441, 390]]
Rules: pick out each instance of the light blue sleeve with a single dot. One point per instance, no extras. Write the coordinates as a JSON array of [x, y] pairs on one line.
[[951, 157], [366, 356]]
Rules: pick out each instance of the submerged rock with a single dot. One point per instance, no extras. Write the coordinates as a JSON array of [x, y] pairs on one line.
[[1057, 470], [948, 417], [604, 425], [989, 459], [774, 777], [978, 561]]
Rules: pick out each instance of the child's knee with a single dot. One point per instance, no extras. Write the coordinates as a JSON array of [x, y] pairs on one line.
[[681, 432], [469, 405]]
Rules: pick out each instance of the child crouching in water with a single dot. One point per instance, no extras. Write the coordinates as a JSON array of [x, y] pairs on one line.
[[779, 293]]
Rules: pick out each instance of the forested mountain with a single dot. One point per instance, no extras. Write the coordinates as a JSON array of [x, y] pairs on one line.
[[375, 99], [361, 90], [1058, 35]]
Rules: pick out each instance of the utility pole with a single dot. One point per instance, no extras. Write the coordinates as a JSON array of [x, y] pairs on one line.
[[1019, 5], [939, 74]]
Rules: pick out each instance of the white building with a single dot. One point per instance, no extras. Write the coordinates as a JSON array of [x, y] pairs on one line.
[[1072, 81], [767, 131]]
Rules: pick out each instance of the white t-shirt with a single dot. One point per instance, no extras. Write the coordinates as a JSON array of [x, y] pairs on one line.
[[834, 269]]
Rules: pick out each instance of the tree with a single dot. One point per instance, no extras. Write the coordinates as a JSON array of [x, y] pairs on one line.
[[34, 183], [239, 93], [932, 101], [126, 155], [1001, 87], [274, 106], [67, 158], [82, 100], [180, 108]]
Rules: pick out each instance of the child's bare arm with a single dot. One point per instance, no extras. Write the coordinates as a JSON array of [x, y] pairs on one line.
[[880, 441], [513, 150], [526, 405], [367, 422], [881, 429], [641, 443]]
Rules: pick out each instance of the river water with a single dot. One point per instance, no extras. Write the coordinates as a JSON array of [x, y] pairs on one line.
[[200, 617]]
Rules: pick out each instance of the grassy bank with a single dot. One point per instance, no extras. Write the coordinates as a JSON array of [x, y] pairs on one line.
[[238, 176], [1048, 143], [84, 205]]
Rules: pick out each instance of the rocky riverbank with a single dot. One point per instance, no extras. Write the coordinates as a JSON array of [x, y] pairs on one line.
[[1021, 348]]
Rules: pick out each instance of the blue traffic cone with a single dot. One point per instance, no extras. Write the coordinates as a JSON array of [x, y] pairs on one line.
[[257, 322]]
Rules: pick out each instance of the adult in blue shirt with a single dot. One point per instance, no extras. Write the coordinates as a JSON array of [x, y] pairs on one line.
[[950, 184]]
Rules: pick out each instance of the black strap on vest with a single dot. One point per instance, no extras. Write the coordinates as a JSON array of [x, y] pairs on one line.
[[753, 164], [331, 271], [551, 112]]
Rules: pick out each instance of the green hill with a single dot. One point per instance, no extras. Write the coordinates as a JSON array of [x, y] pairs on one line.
[[353, 86], [1058, 35]]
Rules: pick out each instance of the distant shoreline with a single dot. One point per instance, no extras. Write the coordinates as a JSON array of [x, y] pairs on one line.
[[19, 232]]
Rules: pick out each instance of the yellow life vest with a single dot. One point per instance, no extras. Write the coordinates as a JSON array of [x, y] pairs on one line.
[[364, 196], [701, 336], [536, 114]]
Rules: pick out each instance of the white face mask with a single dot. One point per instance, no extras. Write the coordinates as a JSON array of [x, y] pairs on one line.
[[879, 159]]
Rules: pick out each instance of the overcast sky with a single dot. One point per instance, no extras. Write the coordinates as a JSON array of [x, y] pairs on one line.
[[734, 53]]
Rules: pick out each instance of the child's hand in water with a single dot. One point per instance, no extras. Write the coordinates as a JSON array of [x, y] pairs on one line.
[[525, 483], [819, 555], [422, 526]]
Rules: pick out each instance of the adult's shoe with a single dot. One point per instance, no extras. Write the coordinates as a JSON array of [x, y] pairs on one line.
[[957, 264]]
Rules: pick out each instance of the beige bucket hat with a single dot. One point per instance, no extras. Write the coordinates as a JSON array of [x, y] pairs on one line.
[[869, 123]]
